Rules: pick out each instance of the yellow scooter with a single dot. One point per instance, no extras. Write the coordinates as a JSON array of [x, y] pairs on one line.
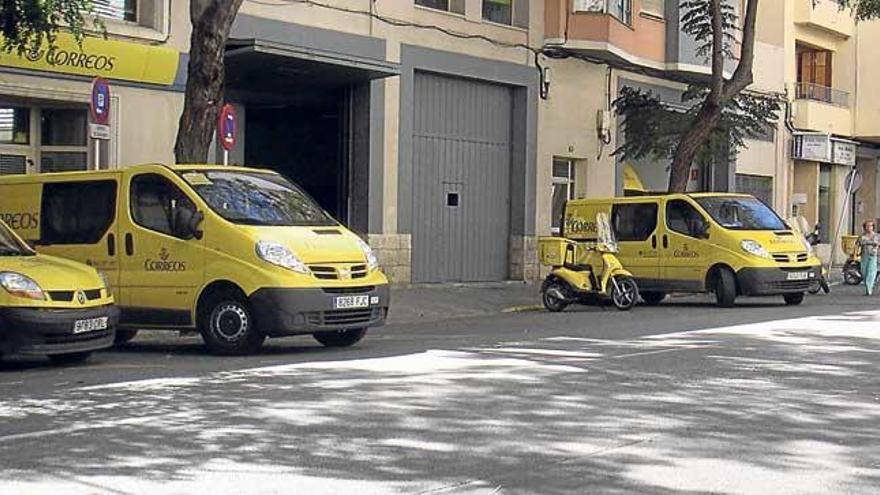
[[586, 272]]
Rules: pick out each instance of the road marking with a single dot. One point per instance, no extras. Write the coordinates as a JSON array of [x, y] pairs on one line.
[[84, 426], [660, 351]]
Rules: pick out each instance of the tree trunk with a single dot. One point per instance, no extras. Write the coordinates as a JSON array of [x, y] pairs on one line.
[[690, 144], [211, 21]]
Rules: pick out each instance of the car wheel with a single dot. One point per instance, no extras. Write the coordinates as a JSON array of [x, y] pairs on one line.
[[794, 299], [70, 358], [124, 336], [725, 288], [554, 297], [341, 338], [624, 293], [653, 298], [228, 328]]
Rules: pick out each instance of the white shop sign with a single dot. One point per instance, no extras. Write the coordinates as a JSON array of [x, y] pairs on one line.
[[843, 152], [813, 147]]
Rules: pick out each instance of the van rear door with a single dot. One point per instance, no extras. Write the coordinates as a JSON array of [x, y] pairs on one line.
[[635, 225], [78, 222]]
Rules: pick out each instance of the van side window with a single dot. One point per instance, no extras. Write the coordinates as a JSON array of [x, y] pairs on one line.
[[157, 204], [683, 218], [77, 212], [634, 222]]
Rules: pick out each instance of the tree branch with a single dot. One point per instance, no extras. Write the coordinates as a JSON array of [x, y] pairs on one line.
[[744, 76]]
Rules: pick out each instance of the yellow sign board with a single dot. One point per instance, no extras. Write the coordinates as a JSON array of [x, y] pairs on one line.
[[109, 59]]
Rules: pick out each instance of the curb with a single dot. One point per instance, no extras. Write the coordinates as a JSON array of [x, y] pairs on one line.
[[529, 308]]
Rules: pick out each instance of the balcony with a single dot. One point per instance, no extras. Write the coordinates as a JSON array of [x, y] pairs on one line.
[[608, 30], [826, 15], [822, 109]]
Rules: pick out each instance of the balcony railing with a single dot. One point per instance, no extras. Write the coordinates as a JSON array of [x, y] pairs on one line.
[[810, 91], [621, 9]]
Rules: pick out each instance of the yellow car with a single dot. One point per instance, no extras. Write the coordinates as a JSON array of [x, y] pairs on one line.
[[51, 306], [239, 254], [728, 244]]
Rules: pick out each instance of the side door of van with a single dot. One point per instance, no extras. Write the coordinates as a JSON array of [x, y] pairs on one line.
[[686, 252], [78, 221], [635, 224], [163, 266]]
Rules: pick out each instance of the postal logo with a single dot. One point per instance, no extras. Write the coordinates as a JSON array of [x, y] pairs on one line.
[[685, 252], [164, 263], [575, 225]]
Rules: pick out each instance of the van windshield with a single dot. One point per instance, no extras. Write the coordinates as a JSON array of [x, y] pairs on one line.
[[743, 213], [10, 245], [255, 198]]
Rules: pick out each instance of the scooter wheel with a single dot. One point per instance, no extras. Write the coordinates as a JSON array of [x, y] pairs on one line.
[[625, 293], [551, 297]]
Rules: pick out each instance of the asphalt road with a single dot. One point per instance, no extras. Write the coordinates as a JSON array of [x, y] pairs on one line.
[[681, 398]]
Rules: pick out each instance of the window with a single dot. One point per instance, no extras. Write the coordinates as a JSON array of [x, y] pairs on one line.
[[634, 222], [456, 6], [563, 190], [683, 218], [741, 213], [814, 77], [15, 125], [63, 139], [120, 10], [756, 185], [654, 8], [621, 9], [77, 212], [159, 205], [824, 219]]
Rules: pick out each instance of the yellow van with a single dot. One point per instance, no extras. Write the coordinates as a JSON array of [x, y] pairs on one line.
[[51, 306], [729, 244], [237, 253]]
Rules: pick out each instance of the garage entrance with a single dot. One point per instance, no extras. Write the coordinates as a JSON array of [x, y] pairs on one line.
[[461, 179]]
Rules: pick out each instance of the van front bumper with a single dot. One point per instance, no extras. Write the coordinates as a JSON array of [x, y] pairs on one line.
[[286, 311], [37, 331], [776, 281]]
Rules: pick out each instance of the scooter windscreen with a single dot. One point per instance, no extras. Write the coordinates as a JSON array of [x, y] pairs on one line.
[[605, 236]]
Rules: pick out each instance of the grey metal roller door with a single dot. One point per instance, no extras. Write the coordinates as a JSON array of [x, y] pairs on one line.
[[461, 151]]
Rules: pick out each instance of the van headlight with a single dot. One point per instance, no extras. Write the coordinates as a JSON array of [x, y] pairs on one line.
[[21, 286], [104, 280], [753, 247], [369, 255], [275, 253], [807, 246]]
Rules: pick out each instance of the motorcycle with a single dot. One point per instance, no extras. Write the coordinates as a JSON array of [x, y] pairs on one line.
[[813, 239], [852, 268], [586, 272]]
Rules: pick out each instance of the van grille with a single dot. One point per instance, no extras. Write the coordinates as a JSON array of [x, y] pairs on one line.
[[780, 258], [342, 318], [803, 257], [787, 258], [337, 272], [348, 290], [67, 295], [792, 285]]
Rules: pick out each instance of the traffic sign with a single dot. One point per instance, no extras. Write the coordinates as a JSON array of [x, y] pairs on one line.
[[853, 181], [100, 103], [226, 127]]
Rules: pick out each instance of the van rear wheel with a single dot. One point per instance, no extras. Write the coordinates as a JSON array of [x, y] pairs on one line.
[[340, 338], [725, 288], [228, 327], [653, 298]]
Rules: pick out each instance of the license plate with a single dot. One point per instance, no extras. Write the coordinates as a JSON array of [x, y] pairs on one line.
[[799, 276], [90, 325], [352, 302]]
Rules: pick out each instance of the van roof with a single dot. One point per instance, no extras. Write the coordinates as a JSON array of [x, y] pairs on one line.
[[28, 178], [661, 196]]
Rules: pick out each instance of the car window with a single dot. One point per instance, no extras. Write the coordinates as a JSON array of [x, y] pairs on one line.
[[157, 204], [77, 212], [635, 221], [683, 218]]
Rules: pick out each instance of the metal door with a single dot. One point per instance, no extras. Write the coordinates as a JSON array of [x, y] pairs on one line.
[[461, 180]]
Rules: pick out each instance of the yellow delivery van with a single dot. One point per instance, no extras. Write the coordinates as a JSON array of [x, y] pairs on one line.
[[728, 244], [51, 306], [237, 253]]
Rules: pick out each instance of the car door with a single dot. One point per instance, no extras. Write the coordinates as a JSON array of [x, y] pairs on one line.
[[78, 222], [635, 225], [685, 250], [162, 264]]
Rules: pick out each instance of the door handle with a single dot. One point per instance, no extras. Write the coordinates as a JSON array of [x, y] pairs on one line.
[[665, 241], [653, 242], [111, 245], [129, 244]]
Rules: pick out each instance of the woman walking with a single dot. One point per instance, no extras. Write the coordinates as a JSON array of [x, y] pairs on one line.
[[869, 242]]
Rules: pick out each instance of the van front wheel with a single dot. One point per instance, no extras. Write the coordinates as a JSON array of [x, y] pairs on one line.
[[794, 299], [725, 288], [340, 338], [123, 337], [228, 328]]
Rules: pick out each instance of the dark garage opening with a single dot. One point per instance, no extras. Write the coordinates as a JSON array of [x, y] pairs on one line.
[[308, 119]]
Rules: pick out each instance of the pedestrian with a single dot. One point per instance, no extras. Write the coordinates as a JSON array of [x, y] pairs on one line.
[[869, 242]]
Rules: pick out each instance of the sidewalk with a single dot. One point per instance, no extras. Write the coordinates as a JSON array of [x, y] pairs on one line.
[[424, 303]]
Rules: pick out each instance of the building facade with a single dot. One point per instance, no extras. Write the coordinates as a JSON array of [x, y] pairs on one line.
[[430, 126]]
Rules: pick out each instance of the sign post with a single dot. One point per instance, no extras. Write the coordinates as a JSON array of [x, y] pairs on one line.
[[226, 130], [99, 108]]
